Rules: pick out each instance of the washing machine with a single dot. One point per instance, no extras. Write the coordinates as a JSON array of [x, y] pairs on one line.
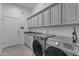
[[55, 47], [38, 45]]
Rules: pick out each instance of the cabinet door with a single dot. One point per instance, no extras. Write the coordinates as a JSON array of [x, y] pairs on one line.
[[47, 17], [36, 21], [56, 14], [28, 40], [69, 13], [32, 21], [40, 18]]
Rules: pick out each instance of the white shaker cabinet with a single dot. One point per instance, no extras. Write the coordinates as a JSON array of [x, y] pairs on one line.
[[56, 14], [28, 40], [36, 18], [69, 13], [41, 19], [47, 17], [32, 21]]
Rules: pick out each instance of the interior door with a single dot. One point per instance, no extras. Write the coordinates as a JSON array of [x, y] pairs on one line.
[[11, 27]]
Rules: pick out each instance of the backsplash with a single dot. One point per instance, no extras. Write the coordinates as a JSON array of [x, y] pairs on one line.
[[62, 31]]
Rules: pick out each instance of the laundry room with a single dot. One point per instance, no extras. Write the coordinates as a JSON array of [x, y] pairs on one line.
[[39, 29]]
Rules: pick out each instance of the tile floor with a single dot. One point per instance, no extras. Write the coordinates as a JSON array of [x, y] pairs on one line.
[[19, 50]]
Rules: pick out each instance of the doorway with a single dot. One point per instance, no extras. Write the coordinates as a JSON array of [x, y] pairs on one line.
[[10, 30]]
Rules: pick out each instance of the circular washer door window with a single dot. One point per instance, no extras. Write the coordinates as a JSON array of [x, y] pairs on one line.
[[53, 51], [37, 48]]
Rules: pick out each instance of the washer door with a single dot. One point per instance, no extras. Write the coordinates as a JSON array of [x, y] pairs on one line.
[[53, 51], [37, 48]]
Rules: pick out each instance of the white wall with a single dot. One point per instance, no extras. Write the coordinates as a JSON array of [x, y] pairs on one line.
[[63, 31], [39, 7], [12, 10], [16, 11]]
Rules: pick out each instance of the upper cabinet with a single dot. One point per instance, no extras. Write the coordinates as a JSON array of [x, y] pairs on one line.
[[41, 19], [47, 15], [56, 14], [69, 15], [33, 21], [36, 21]]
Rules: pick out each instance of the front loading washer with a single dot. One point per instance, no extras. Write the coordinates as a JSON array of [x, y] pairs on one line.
[[55, 47]]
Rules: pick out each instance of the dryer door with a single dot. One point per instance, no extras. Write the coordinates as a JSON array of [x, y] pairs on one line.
[[37, 48], [53, 51]]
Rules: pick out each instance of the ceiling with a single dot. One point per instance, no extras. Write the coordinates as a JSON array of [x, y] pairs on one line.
[[27, 5]]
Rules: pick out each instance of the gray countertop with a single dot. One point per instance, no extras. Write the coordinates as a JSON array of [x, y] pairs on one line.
[[39, 34]]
